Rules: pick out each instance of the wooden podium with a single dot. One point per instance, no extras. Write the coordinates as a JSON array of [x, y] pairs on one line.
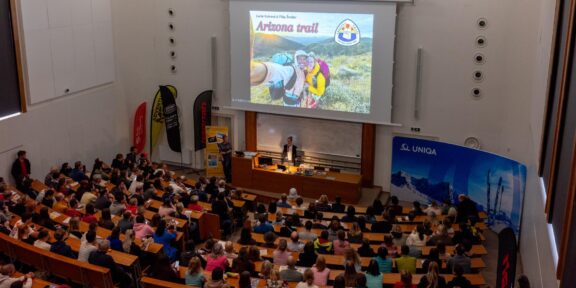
[[246, 174]]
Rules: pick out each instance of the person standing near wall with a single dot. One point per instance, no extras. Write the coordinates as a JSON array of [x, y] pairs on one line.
[[20, 169], [225, 149]]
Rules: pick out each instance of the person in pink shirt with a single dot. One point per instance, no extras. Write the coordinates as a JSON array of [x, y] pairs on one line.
[[321, 272], [281, 254], [167, 209], [141, 229], [216, 259], [340, 244]]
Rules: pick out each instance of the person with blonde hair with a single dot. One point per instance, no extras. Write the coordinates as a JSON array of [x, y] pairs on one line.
[[321, 272], [229, 250], [194, 275], [355, 234], [432, 279], [351, 256], [275, 281], [323, 204], [266, 269], [216, 259], [308, 280]]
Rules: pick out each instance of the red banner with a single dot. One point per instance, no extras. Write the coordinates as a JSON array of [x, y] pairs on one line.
[[139, 137]]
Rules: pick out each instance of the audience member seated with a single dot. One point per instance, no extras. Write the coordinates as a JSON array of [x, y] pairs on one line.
[[89, 214], [162, 269], [322, 245], [283, 202], [349, 274], [311, 212], [78, 173], [42, 240], [71, 209], [243, 263], [269, 240], [165, 235], [459, 281], [383, 226], [142, 229], [406, 262], [217, 279], [264, 226], [275, 280], [333, 229], [321, 272], [295, 245], [350, 215], [432, 278], [281, 254], [433, 256], [291, 274], [88, 246], [307, 234], [394, 209], [60, 247], [433, 209], [293, 194], [323, 205], [194, 275], [373, 275], [318, 222], [340, 244], [106, 219], [365, 250], [6, 279], [440, 236], [337, 206], [118, 204], [418, 237], [43, 219], [308, 257], [216, 259], [193, 205], [246, 237], [308, 281], [101, 258], [126, 222], [351, 256], [355, 234], [114, 239], [229, 251], [405, 280], [460, 259], [383, 261], [103, 201]]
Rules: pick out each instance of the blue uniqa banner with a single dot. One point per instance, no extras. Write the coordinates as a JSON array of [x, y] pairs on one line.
[[426, 171]]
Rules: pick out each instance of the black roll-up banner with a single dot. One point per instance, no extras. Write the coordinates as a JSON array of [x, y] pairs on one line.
[[202, 118], [507, 250], [171, 117]]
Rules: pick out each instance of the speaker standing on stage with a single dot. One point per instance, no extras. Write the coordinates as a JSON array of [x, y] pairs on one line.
[[290, 152], [225, 149]]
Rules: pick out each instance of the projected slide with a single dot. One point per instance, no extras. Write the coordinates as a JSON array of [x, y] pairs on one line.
[[311, 60]]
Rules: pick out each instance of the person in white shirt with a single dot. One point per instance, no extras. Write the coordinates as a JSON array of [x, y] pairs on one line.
[[418, 237], [135, 184], [6, 279], [42, 241], [433, 209], [87, 246]]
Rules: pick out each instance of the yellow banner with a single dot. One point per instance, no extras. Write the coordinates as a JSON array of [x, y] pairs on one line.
[[212, 162]]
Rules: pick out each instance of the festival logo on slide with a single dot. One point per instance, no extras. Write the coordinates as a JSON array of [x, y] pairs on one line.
[[311, 60], [347, 33]]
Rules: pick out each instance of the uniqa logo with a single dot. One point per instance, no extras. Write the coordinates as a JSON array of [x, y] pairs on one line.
[[347, 33], [417, 149]]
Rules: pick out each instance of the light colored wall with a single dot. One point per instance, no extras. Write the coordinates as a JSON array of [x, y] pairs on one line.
[[81, 126]]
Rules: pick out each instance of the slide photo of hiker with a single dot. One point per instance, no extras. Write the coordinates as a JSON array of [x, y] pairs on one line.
[[311, 60]]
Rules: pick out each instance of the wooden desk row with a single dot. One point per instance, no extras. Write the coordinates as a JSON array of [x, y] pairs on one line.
[[476, 249]]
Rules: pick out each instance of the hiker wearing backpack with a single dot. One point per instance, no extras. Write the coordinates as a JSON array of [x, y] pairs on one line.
[[317, 80], [284, 76]]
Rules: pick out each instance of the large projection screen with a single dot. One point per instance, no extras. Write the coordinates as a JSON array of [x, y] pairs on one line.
[[319, 59]]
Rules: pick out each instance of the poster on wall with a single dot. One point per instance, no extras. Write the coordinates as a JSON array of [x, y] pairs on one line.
[[202, 118], [214, 135], [426, 171], [171, 121], [139, 136]]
